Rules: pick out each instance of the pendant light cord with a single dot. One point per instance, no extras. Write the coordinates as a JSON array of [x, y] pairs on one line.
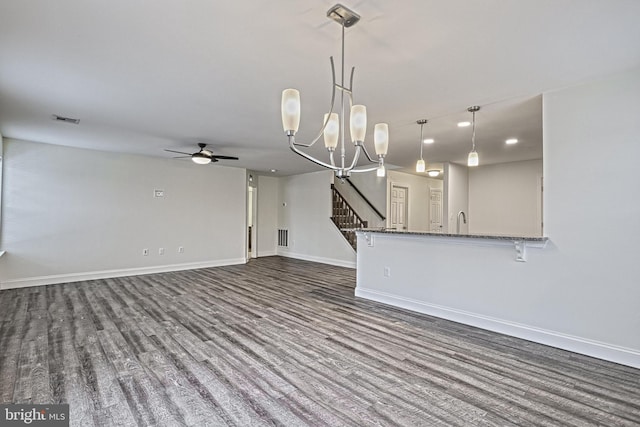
[[421, 140], [473, 134]]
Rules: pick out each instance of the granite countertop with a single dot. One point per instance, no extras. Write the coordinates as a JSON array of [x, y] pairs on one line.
[[469, 236]]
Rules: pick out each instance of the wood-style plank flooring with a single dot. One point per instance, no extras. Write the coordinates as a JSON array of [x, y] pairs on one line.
[[284, 342]]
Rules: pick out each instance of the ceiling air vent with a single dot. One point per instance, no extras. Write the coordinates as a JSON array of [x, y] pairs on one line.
[[64, 119]]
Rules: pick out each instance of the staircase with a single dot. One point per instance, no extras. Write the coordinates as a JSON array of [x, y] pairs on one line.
[[345, 218]]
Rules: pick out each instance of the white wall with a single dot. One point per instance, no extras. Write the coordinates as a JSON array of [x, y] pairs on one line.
[[72, 214], [1, 157], [581, 292], [456, 197], [418, 201], [307, 216], [506, 199], [267, 222]]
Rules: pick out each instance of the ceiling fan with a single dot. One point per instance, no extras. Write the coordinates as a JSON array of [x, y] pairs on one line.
[[203, 156]]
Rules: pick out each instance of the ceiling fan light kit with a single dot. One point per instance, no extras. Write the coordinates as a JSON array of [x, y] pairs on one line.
[[333, 127], [204, 156]]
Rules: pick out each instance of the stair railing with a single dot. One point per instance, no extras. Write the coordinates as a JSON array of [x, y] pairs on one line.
[[345, 217]]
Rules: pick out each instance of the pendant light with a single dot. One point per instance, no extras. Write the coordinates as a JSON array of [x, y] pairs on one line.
[[420, 165], [473, 160]]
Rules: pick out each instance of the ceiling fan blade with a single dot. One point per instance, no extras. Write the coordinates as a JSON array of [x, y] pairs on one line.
[[179, 152], [182, 157], [215, 156]]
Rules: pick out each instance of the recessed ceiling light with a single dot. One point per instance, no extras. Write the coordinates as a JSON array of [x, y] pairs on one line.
[[464, 124], [274, 170], [511, 141], [428, 140]]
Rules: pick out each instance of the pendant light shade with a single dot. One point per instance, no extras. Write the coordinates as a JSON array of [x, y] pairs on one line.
[[420, 166], [290, 110], [358, 122], [381, 138], [472, 159], [331, 131]]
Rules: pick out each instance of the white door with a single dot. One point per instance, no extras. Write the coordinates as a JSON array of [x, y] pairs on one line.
[[399, 198], [435, 210]]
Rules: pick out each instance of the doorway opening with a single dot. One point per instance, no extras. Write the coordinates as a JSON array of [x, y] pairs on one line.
[[252, 206]]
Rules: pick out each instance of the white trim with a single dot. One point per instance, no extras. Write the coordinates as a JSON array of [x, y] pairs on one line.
[[460, 239], [322, 260], [106, 274], [267, 253], [600, 350]]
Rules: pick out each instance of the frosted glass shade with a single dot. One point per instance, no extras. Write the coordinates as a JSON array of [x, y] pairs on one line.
[[433, 173], [290, 110], [331, 130], [381, 138], [472, 160], [200, 159], [358, 122], [420, 166], [381, 172]]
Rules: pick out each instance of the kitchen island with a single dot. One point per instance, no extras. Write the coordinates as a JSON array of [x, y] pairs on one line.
[[499, 283]]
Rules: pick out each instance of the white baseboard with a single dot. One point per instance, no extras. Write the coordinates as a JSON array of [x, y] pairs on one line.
[[267, 253], [106, 274], [322, 260], [600, 350]]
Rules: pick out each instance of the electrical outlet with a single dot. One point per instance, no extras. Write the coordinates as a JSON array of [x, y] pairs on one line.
[[387, 272], [145, 252], [161, 251], [180, 249]]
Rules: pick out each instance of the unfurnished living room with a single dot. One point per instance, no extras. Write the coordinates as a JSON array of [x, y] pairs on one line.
[[408, 213]]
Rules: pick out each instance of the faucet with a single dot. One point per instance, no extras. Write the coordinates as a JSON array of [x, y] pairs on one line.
[[464, 219]]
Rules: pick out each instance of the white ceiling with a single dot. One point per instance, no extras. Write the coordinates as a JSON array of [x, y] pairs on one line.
[[146, 75]]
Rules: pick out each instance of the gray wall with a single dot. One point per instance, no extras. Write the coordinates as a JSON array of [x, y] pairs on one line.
[[73, 214], [305, 210]]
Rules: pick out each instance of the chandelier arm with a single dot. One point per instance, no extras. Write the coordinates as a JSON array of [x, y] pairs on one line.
[[364, 170], [292, 145], [333, 163], [366, 153], [356, 155], [333, 98], [353, 70]]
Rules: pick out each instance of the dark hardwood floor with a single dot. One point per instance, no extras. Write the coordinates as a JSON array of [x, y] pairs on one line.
[[284, 342]]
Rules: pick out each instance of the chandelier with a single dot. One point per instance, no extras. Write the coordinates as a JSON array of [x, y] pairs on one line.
[[333, 127]]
